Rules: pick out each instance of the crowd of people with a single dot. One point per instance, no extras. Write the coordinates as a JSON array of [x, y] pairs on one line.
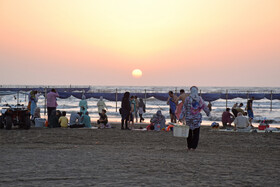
[[57, 118], [186, 108], [239, 116]]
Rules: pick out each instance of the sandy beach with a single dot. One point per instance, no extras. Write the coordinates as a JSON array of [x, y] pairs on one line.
[[114, 157]]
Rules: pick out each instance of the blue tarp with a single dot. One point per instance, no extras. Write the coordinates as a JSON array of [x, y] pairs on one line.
[[164, 96], [65, 93], [41, 89]]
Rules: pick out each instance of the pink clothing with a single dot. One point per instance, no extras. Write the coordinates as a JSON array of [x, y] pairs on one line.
[[179, 110], [51, 99], [227, 117]]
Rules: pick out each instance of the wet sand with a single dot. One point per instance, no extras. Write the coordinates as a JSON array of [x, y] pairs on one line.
[[114, 157]]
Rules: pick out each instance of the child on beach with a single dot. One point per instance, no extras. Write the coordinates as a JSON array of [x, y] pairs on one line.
[[63, 120], [103, 120]]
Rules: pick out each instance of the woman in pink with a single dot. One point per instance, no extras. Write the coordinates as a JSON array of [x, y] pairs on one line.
[[51, 101]]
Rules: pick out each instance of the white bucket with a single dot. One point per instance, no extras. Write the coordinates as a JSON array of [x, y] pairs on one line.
[[181, 131], [40, 122]]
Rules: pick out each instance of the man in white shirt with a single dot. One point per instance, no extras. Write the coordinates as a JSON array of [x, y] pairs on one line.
[[241, 123]]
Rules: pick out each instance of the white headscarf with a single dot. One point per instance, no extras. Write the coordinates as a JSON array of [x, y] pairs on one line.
[[101, 98], [194, 93]]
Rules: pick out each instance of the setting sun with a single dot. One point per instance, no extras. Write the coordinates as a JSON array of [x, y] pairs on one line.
[[137, 73]]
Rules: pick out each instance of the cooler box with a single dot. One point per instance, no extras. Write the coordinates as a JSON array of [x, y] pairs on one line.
[[263, 126], [181, 131], [40, 122]]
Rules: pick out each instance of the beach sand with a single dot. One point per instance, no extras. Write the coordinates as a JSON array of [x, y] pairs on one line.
[[114, 157]]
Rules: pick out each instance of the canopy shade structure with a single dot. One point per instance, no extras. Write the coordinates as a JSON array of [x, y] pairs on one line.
[[65, 93], [164, 96], [42, 89]]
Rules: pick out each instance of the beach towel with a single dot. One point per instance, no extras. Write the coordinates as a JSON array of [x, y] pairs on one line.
[[178, 110], [172, 106]]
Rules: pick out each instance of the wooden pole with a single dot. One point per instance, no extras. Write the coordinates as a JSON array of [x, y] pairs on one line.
[[17, 97], [145, 96], [226, 98], [45, 107], [116, 99], [271, 100]]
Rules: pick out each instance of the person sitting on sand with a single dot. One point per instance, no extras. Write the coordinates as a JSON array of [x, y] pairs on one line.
[[53, 120], [241, 123], [75, 120], [63, 120], [103, 120], [158, 120], [85, 119], [227, 118]]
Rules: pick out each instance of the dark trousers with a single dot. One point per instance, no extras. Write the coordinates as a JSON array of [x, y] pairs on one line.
[[104, 122], [50, 109], [77, 126], [141, 117], [125, 120], [193, 138]]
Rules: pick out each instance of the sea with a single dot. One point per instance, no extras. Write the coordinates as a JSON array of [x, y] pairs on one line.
[[264, 109]]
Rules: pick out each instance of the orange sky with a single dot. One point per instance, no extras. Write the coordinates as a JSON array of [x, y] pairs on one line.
[[174, 43]]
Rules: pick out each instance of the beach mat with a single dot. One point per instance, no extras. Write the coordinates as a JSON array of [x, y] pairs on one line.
[[252, 130], [85, 128]]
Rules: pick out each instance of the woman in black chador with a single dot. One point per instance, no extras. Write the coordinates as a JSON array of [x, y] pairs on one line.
[[125, 110]]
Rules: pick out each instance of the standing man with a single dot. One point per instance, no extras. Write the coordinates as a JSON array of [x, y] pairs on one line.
[[250, 109], [171, 101], [182, 96], [51, 101]]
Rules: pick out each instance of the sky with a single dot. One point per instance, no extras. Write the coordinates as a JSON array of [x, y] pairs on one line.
[[174, 43]]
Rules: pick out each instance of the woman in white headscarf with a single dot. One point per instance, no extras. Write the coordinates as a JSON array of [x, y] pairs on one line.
[[191, 114], [101, 105], [83, 105]]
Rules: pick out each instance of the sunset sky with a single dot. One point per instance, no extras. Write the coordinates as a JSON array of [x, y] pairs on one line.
[[174, 43]]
